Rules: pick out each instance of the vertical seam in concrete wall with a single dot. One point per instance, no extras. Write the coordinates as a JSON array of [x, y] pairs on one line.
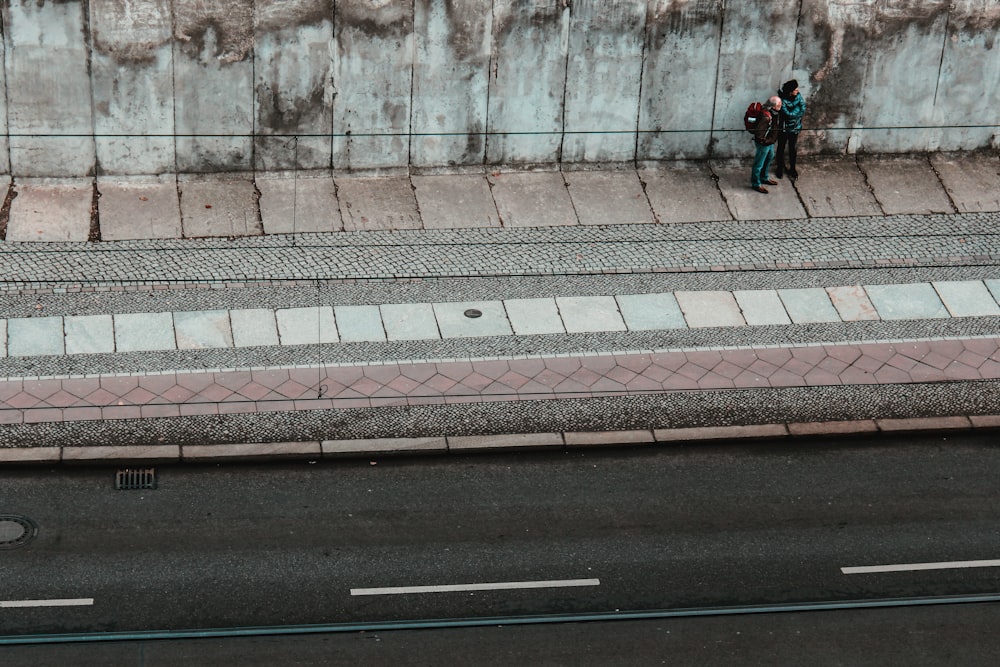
[[491, 64], [88, 39], [413, 76], [254, 102], [6, 96], [715, 88], [638, 108], [173, 85], [944, 45], [568, 11], [335, 43]]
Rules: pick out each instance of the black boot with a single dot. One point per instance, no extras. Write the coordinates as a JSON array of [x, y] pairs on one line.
[[778, 172]]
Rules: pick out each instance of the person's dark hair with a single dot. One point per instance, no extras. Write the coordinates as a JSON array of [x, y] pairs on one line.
[[788, 87]]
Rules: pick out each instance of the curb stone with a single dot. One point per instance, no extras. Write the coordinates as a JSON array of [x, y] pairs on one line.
[[361, 448]]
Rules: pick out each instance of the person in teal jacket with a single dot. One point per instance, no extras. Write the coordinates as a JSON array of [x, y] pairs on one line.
[[793, 107]]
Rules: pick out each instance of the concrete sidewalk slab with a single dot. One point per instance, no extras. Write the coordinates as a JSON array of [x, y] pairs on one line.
[[644, 312], [587, 314], [89, 334], [971, 180], [852, 303], [306, 326], [684, 192], [409, 321], [139, 208], [532, 317], [359, 323], [498, 442], [201, 330], [253, 327], [251, 450], [967, 298], [762, 307], [144, 332], [377, 203], [51, 210], [906, 302], [710, 309], [455, 201], [835, 187], [781, 203], [808, 305], [35, 336], [532, 199], [297, 203], [453, 323], [905, 184], [218, 206], [608, 197]]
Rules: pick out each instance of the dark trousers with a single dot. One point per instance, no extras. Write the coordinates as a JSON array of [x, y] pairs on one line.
[[791, 139]]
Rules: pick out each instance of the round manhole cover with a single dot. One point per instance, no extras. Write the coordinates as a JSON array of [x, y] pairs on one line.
[[473, 313], [15, 530]]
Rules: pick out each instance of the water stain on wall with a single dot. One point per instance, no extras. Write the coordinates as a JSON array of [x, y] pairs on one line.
[[387, 19]]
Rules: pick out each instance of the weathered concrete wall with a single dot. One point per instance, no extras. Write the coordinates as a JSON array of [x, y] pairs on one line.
[[157, 86]]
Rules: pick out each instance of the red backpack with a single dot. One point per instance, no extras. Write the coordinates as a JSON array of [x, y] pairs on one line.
[[755, 113]]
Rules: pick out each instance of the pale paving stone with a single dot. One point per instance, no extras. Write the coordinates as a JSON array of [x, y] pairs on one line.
[[761, 307], [51, 210], [530, 317], [359, 323], [368, 203], [994, 287], [750, 431], [916, 301], [35, 336], [967, 298], [452, 322], [203, 329], [972, 180], [455, 201], [3, 338], [253, 327], [645, 312], [299, 203], [808, 305], [218, 206], [584, 314], [409, 321], [89, 334], [852, 303], [710, 309], [684, 192], [144, 332], [603, 197], [905, 184], [532, 199], [139, 208], [306, 326]]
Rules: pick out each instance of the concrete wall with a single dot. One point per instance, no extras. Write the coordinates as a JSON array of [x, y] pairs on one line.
[[157, 86]]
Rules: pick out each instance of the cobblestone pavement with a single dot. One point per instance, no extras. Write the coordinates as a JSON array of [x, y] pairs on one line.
[[652, 327]]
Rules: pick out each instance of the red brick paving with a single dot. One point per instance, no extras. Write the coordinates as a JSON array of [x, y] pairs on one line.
[[437, 383]]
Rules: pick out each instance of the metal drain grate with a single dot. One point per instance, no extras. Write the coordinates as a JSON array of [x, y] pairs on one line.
[[130, 479]]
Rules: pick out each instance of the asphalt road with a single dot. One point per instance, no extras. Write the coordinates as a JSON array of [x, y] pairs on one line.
[[595, 532]]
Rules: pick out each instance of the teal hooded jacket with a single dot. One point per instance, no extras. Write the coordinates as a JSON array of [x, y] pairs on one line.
[[791, 114]]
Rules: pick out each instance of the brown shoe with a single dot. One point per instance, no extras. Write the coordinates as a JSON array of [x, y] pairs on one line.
[[760, 188], [770, 182]]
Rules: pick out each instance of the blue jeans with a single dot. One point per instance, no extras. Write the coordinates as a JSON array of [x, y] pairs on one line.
[[761, 163]]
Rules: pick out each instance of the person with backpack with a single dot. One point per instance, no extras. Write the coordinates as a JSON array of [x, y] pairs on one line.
[[793, 107], [763, 122]]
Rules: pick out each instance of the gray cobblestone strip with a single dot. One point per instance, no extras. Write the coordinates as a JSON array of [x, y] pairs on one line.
[[829, 243], [648, 411]]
